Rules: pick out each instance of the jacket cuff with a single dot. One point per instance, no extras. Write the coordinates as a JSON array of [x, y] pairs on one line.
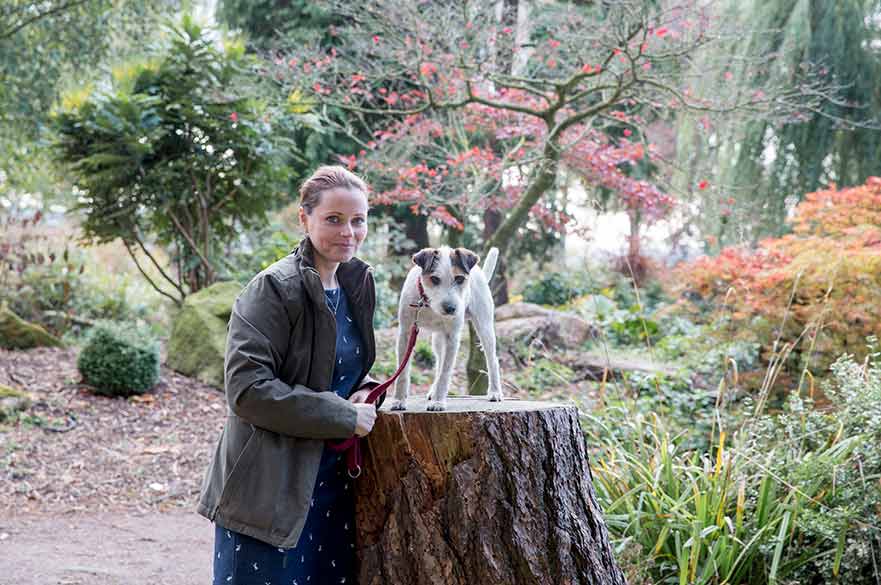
[[351, 415]]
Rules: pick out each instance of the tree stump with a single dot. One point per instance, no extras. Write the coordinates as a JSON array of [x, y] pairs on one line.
[[495, 493]]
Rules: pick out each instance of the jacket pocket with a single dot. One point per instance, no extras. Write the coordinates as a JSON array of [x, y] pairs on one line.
[[239, 471]]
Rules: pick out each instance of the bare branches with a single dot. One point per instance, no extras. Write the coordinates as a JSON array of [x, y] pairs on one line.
[[158, 266], [38, 11], [177, 301], [511, 107], [417, 73], [209, 269]]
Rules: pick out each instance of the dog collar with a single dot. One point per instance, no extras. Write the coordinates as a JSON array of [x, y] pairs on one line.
[[423, 300]]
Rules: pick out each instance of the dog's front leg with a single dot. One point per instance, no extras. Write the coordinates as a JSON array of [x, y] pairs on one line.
[[441, 386], [438, 345], [487, 337], [402, 384]]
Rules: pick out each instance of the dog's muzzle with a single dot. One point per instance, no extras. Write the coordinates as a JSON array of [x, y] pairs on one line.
[[449, 308]]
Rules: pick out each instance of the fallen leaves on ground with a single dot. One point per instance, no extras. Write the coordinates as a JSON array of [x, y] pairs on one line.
[[75, 451]]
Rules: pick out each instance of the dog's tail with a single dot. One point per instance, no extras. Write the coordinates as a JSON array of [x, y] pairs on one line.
[[489, 265]]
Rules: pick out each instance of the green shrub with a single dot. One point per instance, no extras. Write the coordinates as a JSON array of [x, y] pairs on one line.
[[62, 292], [119, 360], [554, 288], [422, 354], [632, 328], [386, 299], [849, 491], [258, 249], [784, 497], [544, 374]]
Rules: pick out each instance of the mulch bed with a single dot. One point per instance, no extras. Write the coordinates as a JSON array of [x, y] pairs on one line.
[[75, 451]]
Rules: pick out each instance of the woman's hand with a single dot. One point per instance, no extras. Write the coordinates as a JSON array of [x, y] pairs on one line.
[[360, 397], [366, 416]]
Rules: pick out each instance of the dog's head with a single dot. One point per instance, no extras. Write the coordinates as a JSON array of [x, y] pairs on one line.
[[445, 274]]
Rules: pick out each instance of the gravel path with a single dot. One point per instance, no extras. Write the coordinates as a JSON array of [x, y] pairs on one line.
[[106, 548]]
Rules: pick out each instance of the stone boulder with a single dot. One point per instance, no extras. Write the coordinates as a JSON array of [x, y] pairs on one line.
[[598, 365], [16, 333], [12, 401], [198, 334], [529, 323]]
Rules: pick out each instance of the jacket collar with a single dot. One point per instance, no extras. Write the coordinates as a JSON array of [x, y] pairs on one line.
[[351, 275]]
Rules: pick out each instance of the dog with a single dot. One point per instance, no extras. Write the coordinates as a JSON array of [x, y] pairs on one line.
[[444, 288]]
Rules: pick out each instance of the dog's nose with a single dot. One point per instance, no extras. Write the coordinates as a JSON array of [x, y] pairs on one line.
[[449, 308]]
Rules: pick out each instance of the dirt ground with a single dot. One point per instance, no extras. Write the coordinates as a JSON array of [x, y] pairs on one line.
[[102, 491], [106, 548]]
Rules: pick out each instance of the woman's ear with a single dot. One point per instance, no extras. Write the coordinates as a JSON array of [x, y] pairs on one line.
[[302, 216]]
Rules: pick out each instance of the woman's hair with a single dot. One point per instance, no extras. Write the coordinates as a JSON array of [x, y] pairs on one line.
[[324, 179]]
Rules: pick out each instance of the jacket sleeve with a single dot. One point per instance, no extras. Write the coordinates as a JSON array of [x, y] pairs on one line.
[[257, 342]]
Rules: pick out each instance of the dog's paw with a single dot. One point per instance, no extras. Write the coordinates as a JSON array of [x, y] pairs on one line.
[[437, 406], [396, 404], [430, 395], [495, 396]]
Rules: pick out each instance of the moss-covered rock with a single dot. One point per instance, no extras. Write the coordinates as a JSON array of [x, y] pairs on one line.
[[198, 335], [16, 333], [12, 402]]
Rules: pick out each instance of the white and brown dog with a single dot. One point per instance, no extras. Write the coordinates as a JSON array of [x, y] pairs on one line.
[[447, 287]]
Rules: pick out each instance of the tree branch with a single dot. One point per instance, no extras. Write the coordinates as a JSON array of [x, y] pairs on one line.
[[504, 106], [499, 80], [128, 248], [558, 130], [544, 179], [9, 33], [208, 268], [155, 263]]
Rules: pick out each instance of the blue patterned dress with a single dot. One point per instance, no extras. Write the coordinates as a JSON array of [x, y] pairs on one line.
[[325, 554]]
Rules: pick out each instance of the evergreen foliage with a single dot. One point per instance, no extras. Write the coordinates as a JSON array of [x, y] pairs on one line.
[[182, 150], [118, 360]]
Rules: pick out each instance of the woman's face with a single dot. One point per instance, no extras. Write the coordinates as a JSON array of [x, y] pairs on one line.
[[338, 224]]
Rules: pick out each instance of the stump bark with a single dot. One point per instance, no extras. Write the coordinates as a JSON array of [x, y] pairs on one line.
[[484, 493]]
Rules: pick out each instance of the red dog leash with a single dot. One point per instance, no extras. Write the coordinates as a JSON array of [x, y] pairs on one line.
[[352, 445]]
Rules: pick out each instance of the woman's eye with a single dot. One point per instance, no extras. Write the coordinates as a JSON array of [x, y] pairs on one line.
[[460, 279], [333, 219], [435, 280], [359, 221]]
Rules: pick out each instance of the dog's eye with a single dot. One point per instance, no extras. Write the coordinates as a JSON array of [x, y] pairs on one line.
[[435, 280], [460, 279]]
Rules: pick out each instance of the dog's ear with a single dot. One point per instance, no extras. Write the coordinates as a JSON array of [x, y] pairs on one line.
[[465, 259], [425, 259]]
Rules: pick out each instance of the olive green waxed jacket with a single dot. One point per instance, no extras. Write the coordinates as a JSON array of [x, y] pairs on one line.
[[280, 353]]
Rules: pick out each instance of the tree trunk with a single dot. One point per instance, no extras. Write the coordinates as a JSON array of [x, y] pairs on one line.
[[492, 219], [487, 492], [416, 231], [475, 369]]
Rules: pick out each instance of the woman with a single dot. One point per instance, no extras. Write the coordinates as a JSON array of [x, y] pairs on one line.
[[299, 347]]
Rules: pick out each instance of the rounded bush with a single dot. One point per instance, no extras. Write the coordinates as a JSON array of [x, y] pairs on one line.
[[554, 288], [119, 360]]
